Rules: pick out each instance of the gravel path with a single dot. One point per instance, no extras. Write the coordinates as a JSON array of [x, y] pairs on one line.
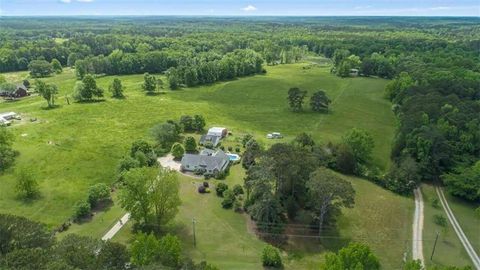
[[114, 230], [458, 230], [417, 241]]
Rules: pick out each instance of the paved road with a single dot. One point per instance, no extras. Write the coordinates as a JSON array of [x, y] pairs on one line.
[[417, 241], [458, 230], [111, 233]]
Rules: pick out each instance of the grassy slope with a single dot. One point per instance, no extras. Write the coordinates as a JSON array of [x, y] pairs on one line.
[[90, 138], [449, 250]]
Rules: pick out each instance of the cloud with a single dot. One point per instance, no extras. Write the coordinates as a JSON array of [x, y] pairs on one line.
[[249, 8], [440, 8], [85, 1], [70, 1], [66, 1]]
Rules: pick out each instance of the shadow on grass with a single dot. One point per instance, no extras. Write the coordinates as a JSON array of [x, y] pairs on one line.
[[92, 101], [51, 107]]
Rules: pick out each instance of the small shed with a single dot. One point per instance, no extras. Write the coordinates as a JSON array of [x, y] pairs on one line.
[[20, 91], [217, 131], [353, 72]]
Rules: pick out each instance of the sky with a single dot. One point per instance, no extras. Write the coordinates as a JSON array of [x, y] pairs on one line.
[[242, 8]]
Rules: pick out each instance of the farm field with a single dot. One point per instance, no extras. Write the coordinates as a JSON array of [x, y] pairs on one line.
[[73, 146]]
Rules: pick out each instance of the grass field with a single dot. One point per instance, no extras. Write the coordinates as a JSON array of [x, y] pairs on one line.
[[73, 146], [449, 250]]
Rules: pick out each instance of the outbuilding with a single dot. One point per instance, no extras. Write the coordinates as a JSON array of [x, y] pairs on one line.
[[217, 131]]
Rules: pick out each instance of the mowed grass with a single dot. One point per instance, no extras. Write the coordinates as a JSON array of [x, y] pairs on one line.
[[449, 250], [74, 146]]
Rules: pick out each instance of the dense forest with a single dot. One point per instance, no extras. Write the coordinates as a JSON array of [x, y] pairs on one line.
[[434, 65]]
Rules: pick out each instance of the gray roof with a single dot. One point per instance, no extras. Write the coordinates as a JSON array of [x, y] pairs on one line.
[[216, 161], [215, 140]]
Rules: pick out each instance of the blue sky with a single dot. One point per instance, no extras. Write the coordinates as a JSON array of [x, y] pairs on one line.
[[240, 7]]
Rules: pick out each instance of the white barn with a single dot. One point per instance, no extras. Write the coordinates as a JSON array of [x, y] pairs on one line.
[[217, 131]]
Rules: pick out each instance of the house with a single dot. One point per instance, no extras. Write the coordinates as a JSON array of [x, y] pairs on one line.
[[218, 131], [208, 161], [210, 139]]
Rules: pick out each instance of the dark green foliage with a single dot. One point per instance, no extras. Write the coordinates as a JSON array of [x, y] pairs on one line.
[[220, 188], [404, 177], [116, 88], [361, 143], [295, 98], [178, 151], [87, 89], [267, 212], [237, 190], [81, 209], [440, 220], [78, 251], [165, 134], [112, 256], [143, 153], [56, 66], [271, 257], [190, 124], [465, 184], [98, 193], [40, 68], [27, 185], [149, 83], [228, 199], [304, 140], [353, 256], [246, 138], [170, 250], [21, 233], [319, 101], [190, 144]]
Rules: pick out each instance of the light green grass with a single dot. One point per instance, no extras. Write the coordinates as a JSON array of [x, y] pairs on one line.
[[449, 250], [77, 145]]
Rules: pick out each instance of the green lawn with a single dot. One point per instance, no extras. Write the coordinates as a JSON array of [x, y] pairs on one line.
[[73, 146], [449, 250]]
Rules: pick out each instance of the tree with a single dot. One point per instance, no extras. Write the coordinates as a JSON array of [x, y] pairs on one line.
[[78, 251], [295, 98], [151, 196], [149, 158], [304, 140], [178, 151], [267, 212], [170, 250], [91, 88], [40, 68], [187, 123], [354, 256], [116, 88], [47, 91], [327, 193], [228, 199], [81, 209], [149, 83], [345, 159], [26, 186], [190, 144], [165, 134], [361, 143], [112, 256], [198, 123], [271, 257], [464, 183], [144, 249], [97, 193], [56, 66], [7, 154], [398, 86], [404, 177], [7, 88], [413, 265], [319, 101]]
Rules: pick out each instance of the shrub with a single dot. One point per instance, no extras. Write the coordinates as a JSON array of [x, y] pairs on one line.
[[220, 188], [190, 144], [237, 149], [237, 206], [178, 151], [222, 147], [436, 203], [82, 209], [230, 149], [199, 171], [228, 199], [98, 193], [440, 220], [202, 189], [237, 190], [169, 250], [209, 145], [271, 257], [220, 175], [205, 184]]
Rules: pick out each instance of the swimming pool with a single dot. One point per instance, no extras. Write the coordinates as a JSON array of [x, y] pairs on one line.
[[233, 157]]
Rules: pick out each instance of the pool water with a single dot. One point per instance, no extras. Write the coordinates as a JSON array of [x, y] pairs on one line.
[[233, 157]]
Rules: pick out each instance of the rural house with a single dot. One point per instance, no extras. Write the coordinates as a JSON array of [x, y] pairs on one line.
[[208, 161], [213, 136]]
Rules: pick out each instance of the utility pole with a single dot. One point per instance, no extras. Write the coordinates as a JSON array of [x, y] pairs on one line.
[[194, 238], [434, 245]]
